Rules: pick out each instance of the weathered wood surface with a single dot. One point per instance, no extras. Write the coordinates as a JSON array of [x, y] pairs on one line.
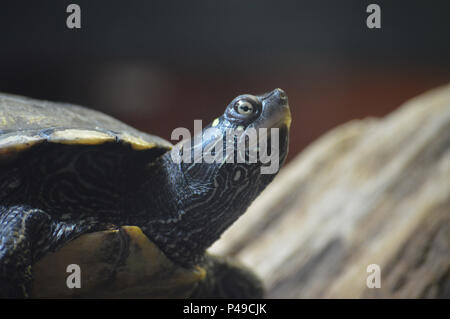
[[372, 191]]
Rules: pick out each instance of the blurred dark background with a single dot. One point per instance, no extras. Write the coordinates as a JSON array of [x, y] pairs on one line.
[[158, 65]]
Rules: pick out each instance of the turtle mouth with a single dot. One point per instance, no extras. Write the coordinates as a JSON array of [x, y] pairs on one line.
[[275, 111], [283, 121], [276, 117], [270, 143]]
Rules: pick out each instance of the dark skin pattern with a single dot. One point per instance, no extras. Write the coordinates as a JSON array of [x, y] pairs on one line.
[[52, 193]]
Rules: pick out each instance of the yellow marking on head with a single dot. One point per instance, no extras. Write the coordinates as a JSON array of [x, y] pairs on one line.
[[215, 122], [288, 120], [240, 128], [74, 136]]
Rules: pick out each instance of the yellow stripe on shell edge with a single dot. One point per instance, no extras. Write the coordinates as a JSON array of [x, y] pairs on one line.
[[136, 143], [75, 136], [18, 143]]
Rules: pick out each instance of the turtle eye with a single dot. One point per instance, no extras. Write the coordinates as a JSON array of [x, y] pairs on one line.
[[244, 107]]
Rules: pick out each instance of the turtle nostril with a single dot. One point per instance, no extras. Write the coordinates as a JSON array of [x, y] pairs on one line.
[[281, 94]]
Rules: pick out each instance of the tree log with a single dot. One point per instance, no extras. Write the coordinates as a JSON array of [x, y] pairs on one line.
[[372, 191]]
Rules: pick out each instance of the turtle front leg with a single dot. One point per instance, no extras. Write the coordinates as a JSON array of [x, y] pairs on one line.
[[23, 230], [226, 278]]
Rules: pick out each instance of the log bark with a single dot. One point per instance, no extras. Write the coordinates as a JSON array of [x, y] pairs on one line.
[[372, 191]]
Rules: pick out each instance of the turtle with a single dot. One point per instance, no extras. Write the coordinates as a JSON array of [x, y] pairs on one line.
[[130, 207]]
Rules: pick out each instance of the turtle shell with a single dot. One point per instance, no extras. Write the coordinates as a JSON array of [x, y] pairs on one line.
[[120, 263], [25, 122], [115, 263]]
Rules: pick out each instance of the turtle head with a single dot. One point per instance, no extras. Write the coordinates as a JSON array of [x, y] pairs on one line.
[[259, 127], [214, 176], [252, 134]]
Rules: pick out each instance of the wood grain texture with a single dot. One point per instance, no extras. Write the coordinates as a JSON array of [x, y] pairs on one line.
[[372, 191]]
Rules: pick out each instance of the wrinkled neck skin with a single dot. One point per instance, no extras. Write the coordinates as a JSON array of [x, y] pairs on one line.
[[189, 206], [184, 206]]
